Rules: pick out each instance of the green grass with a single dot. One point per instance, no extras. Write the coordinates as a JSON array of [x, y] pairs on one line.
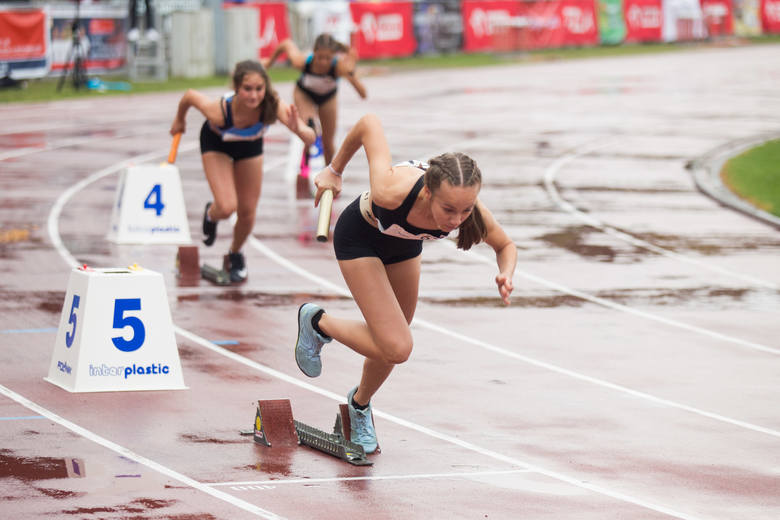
[[755, 176], [46, 89]]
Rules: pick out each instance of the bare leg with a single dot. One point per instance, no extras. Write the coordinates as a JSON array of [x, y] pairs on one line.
[[248, 181], [306, 107], [328, 115], [387, 297], [219, 174]]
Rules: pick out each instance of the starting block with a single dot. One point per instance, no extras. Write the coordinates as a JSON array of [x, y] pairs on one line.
[[275, 426], [214, 275]]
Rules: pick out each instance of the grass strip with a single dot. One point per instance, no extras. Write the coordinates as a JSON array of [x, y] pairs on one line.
[[754, 175]]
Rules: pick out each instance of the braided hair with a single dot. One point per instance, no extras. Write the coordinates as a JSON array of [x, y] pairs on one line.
[[459, 170]]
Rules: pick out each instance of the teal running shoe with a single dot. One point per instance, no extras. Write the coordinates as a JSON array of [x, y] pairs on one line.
[[361, 425], [310, 342]]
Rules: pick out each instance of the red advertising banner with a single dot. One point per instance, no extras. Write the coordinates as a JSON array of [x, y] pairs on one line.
[[644, 20], [486, 24], [23, 44], [770, 16], [718, 17], [274, 25], [511, 25], [384, 29]]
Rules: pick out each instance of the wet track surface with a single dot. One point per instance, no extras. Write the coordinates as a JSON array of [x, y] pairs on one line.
[[634, 376]]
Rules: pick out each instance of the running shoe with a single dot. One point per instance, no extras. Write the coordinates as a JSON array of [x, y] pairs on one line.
[[209, 227], [235, 265], [310, 342], [361, 424]]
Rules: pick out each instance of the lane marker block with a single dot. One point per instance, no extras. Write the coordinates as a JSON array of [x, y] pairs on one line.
[[115, 333]]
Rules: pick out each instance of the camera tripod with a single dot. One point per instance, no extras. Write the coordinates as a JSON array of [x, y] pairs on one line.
[[76, 60]]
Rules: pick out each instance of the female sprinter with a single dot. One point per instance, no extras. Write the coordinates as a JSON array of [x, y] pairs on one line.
[[231, 147], [316, 88], [378, 241]]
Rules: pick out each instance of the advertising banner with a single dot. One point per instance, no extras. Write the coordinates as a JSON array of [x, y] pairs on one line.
[[438, 26], [770, 16], [644, 20], [273, 24], [718, 17], [101, 36], [24, 44], [384, 29], [485, 22], [612, 23]]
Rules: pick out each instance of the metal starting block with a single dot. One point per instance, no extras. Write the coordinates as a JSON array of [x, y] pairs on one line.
[[275, 426], [214, 275]]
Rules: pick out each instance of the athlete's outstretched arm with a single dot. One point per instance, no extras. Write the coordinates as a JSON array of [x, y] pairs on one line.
[[506, 252], [288, 115], [288, 47], [368, 134], [208, 107]]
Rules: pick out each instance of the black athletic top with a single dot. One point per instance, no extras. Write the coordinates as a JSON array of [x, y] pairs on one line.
[[393, 221]]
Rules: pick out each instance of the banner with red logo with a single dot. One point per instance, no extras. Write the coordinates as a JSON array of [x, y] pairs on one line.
[[24, 44], [718, 17], [770, 16], [384, 29], [511, 25], [487, 23], [644, 20], [273, 23]]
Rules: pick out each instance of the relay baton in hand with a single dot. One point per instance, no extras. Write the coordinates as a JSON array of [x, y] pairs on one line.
[[323, 223], [174, 148]]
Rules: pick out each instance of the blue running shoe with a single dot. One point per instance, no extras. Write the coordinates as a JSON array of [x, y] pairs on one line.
[[361, 422], [310, 342]]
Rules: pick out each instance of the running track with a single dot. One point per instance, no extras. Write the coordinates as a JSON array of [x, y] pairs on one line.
[[635, 375]]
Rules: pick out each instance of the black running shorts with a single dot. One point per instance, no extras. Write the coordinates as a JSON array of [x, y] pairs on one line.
[[210, 141], [353, 237]]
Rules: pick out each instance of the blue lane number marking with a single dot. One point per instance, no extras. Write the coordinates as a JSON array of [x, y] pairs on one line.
[[70, 336], [122, 305], [154, 200]]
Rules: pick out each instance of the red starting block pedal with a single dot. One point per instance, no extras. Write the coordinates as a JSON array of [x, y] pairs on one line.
[[188, 265], [343, 425], [274, 424]]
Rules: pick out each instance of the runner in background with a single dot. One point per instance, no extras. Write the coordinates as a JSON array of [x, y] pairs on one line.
[[315, 93], [378, 243], [231, 147]]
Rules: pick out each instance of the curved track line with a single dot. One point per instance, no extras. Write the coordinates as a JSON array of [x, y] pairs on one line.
[[549, 183], [54, 231], [125, 452]]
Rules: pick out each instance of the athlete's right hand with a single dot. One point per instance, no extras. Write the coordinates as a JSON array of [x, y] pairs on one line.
[[326, 180], [178, 127]]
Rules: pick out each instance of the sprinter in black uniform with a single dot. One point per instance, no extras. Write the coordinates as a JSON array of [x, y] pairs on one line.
[[231, 146], [378, 240], [315, 92]]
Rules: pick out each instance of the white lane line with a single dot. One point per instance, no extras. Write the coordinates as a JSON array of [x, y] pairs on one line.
[[552, 190], [433, 433], [125, 452], [514, 355], [629, 310], [411, 476]]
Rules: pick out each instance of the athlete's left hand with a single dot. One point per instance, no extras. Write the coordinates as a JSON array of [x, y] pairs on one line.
[[298, 127], [505, 287]]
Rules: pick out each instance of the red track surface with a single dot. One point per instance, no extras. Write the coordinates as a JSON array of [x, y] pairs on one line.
[[625, 381]]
